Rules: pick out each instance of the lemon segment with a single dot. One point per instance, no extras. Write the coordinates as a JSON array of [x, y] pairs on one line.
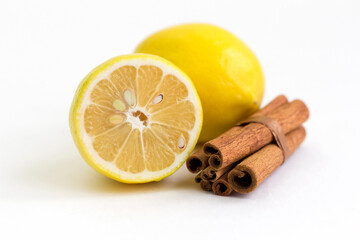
[[136, 118]]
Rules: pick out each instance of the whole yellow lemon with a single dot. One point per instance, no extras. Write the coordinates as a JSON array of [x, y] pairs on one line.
[[225, 72]]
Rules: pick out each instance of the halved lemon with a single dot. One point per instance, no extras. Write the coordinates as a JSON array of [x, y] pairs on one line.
[[136, 118]]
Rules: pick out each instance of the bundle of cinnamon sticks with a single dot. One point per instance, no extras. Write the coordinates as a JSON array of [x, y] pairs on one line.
[[244, 156]]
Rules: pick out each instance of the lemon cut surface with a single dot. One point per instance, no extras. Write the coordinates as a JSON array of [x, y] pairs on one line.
[[136, 118]]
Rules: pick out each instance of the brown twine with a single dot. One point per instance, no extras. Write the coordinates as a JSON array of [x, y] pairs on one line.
[[275, 129]]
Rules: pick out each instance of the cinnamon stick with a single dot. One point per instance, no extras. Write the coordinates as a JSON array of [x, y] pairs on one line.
[[206, 185], [208, 173], [198, 177], [221, 186], [271, 106], [215, 145], [213, 174], [197, 161], [253, 170], [254, 136]]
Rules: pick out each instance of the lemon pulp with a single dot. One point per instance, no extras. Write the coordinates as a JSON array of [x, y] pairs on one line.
[[136, 118]]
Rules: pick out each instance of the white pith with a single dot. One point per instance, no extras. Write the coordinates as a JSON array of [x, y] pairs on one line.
[[136, 123]]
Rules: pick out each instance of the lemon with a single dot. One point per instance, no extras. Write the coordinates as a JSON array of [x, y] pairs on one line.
[[225, 72], [136, 118]]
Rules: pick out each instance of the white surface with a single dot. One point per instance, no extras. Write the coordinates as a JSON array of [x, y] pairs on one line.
[[308, 49]]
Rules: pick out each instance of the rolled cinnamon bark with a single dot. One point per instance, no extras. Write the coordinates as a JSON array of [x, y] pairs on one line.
[[197, 161], [271, 106], [221, 186], [215, 145], [206, 185], [209, 173], [212, 174], [253, 170], [254, 136], [198, 177]]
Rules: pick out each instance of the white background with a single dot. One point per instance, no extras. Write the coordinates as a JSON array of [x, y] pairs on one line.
[[308, 49]]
